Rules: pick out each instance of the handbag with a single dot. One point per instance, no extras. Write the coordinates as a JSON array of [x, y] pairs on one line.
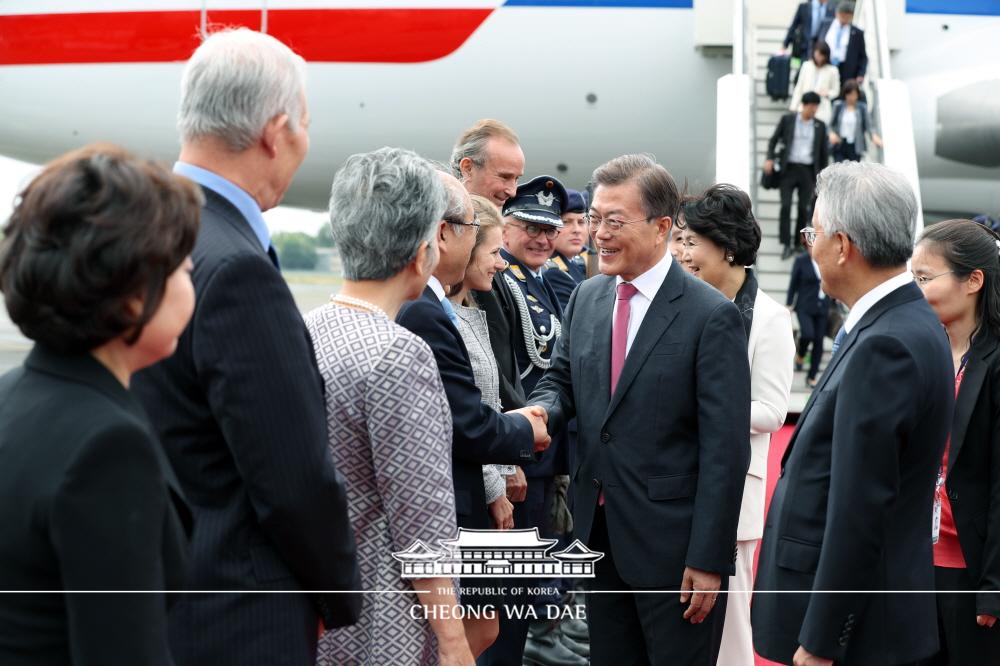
[[770, 181]]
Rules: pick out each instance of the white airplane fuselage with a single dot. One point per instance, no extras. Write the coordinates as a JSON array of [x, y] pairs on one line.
[[581, 81]]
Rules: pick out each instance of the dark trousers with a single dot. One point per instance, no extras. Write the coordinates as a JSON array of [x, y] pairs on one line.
[[508, 649], [638, 628], [962, 640], [812, 329], [844, 152], [797, 178]]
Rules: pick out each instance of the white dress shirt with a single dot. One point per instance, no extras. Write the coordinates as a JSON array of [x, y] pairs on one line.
[[849, 124], [648, 284], [866, 302], [837, 38], [801, 150], [436, 287]]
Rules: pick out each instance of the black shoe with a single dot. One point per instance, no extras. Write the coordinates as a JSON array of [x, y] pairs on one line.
[[576, 629], [582, 649], [786, 252], [550, 651]]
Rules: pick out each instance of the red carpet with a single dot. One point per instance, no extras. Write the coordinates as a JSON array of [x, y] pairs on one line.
[[779, 441]]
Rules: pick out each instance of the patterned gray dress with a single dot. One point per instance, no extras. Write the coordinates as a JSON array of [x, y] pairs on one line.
[[475, 334], [390, 436]]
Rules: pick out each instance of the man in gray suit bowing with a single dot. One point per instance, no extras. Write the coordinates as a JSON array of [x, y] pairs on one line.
[[653, 364]]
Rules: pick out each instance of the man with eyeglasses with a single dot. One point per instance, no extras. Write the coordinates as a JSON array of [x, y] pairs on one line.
[[851, 518], [532, 221], [652, 363]]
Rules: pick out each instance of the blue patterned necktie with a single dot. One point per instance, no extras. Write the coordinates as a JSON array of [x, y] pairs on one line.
[[841, 334], [449, 310]]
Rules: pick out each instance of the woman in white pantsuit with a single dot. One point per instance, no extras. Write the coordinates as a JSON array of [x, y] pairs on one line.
[[720, 238]]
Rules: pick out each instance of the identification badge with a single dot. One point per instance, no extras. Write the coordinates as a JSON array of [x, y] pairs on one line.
[[936, 521], [936, 526]]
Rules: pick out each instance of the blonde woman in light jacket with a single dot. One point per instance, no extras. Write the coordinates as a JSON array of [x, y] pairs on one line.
[[719, 238], [819, 76]]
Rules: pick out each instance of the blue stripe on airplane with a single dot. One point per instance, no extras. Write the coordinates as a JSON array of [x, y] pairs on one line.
[[969, 7], [657, 4]]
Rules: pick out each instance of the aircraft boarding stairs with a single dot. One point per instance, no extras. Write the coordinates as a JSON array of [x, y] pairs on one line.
[[747, 116]]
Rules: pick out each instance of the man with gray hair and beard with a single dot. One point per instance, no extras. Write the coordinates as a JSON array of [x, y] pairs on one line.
[[851, 518], [239, 407]]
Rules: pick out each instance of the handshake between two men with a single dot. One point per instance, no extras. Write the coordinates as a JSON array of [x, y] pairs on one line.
[[539, 419]]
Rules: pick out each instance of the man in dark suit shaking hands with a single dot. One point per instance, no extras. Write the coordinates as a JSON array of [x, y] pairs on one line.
[[851, 516], [239, 407], [652, 362]]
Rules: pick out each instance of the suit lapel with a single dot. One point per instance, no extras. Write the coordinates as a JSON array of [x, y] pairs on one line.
[[227, 211], [660, 315], [602, 319], [968, 394], [899, 296]]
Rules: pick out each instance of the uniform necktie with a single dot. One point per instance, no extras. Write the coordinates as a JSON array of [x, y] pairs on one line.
[[619, 332], [449, 310], [272, 253]]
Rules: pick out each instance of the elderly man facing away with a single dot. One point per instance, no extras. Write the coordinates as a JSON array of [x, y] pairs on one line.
[[851, 516], [239, 407]]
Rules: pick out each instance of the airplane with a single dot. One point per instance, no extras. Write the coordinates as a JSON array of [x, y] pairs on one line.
[[581, 81]]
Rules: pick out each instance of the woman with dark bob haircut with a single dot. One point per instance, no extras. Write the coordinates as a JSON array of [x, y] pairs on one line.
[[94, 268], [956, 263], [719, 240]]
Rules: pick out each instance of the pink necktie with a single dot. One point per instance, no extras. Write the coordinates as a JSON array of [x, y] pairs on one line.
[[619, 332], [619, 340]]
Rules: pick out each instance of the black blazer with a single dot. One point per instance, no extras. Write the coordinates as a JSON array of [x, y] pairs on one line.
[[563, 275], [803, 288], [87, 502], [480, 436], [852, 508], [784, 133], [973, 480], [855, 62], [239, 408], [669, 448], [504, 324], [803, 21]]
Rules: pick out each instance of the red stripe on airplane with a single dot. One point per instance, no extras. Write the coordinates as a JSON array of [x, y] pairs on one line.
[[318, 35]]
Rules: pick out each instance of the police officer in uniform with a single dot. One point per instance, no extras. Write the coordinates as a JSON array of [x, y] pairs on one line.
[[567, 267]]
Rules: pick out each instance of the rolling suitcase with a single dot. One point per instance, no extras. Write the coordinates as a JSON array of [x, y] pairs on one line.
[[779, 69]]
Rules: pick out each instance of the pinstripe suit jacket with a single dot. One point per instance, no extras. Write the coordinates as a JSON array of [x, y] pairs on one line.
[[239, 409]]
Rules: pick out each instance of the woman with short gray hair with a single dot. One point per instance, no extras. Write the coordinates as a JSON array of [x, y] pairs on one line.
[[388, 418]]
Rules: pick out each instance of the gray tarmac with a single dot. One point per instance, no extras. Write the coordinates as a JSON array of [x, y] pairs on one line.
[[310, 290]]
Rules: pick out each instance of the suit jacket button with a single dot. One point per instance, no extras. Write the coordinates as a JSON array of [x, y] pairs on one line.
[[842, 641], [953, 495], [597, 484], [605, 437]]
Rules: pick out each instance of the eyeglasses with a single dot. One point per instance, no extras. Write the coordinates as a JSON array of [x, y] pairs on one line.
[[534, 230], [475, 222], [809, 235], [922, 280], [613, 224]]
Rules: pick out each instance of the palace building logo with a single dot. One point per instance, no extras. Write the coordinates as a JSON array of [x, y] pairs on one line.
[[497, 553]]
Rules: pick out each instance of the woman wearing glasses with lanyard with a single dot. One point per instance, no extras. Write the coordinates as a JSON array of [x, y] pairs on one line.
[[956, 265]]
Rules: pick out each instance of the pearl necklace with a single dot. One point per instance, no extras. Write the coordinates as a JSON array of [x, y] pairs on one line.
[[358, 303]]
